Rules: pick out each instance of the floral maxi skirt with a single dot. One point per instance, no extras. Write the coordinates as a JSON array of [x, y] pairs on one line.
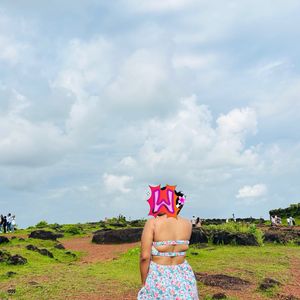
[[169, 282]]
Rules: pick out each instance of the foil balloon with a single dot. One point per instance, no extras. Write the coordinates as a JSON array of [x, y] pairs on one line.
[[164, 201]]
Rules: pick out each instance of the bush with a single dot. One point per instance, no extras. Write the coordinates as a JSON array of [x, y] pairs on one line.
[[41, 224], [73, 230]]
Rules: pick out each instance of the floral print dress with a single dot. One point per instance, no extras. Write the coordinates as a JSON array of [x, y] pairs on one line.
[[169, 282]]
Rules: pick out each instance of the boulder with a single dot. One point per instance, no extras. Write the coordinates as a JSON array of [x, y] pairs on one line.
[[128, 235], [45, 252], [17, 260], [225, 237], [41, 251], [59, 246], [268, 283], [10, 273], [45, 235], [32, 248], [3, 240], [198, 236]]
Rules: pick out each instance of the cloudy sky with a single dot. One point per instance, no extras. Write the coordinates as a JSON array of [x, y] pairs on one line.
[[99, 99]]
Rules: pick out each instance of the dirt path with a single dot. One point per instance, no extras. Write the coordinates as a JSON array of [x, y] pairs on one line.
[[95, 252], [293, 288]]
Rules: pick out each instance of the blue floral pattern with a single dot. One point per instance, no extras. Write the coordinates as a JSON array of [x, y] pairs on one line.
[[169, 282]]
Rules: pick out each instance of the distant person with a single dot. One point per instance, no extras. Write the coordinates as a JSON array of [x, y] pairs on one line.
[[193, 221], [293, 223], [1, 222], [198, 222], [233, 217], [273, 221], [279, 222], [4, 224], [9, 219], [165, 273], [13, 223]]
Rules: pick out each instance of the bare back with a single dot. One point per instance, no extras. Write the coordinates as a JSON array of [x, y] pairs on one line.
[[166, 229]]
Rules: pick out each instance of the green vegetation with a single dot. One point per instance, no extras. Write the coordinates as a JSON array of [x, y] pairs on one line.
[[293, 210], [236, 227]]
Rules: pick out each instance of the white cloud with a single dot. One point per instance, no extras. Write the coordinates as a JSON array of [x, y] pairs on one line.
[[115, 183], [186, 140], [255, 191], [26, 143]]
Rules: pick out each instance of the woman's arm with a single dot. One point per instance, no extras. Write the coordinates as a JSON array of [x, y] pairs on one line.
[[146, 244]]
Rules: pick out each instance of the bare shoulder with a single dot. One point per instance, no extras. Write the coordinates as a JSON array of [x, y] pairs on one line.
[[149, 222], [185, 221]]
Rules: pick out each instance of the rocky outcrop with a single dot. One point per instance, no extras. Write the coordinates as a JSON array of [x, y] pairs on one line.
[[199, 236], [268, 283], [3, 240], [45, 235], [43, 251], [12, 259], [128, 235], [281, 235], [238, 238]]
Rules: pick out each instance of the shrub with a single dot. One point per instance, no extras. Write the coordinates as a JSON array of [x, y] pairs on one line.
[[73, 230], [41, 224]]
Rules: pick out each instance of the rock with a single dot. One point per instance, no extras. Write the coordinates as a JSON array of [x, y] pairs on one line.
[[268, 283], [70, 253], [32, 248], [45, 252], [219, 296], [221, 280], [59, 246], [17, 260], [198, 236], [275, 237], [245, 239], [3, 240], [10, 273], [45, 235], [41, 251], [225, 237], [101, 230], [11, 291], [128, 235]]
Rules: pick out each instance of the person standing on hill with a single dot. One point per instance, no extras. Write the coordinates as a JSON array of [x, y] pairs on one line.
[[198, 222], [13, 223], [193, 221], [9, 219], [165, 273], [4, 224], [1, 223]]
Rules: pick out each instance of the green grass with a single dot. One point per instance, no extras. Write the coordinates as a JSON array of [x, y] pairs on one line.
[[64, 277]]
